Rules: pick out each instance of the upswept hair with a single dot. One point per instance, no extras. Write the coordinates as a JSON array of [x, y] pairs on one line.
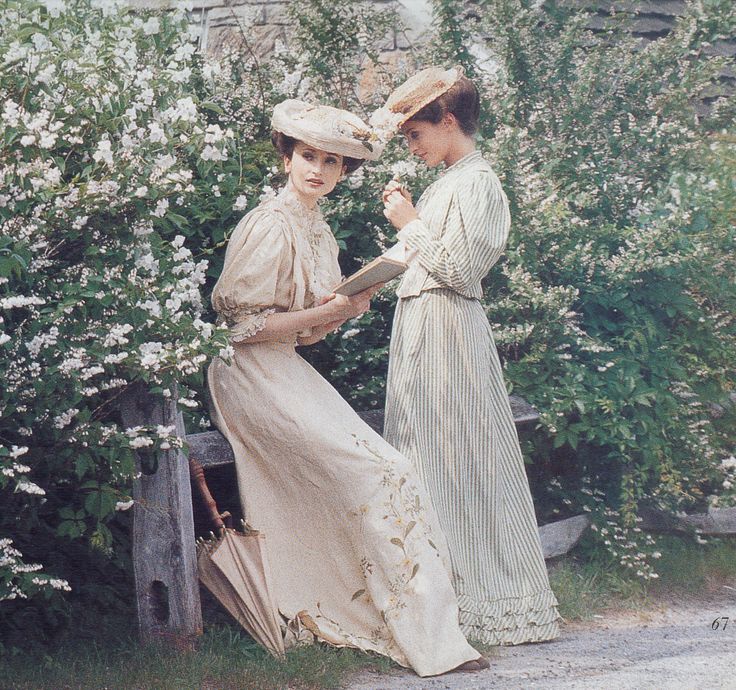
[[461, 99]]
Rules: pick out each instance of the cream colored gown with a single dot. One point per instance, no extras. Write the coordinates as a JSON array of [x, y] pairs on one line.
[[351, 537]]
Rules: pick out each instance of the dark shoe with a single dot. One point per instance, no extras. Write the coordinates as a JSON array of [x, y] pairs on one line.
[[479, 664]]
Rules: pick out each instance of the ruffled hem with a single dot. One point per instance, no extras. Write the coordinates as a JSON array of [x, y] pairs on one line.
[[511, 621], [249, 325]]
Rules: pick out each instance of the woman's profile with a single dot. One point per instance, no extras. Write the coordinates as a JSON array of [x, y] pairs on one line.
[[447, 408], [353, 543]]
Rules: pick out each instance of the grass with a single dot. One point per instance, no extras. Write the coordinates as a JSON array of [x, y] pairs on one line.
[[225, 660], [686, 567], [585, 589], [109, 656]]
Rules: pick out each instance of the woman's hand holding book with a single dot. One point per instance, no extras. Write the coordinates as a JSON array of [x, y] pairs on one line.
[[345, 307]]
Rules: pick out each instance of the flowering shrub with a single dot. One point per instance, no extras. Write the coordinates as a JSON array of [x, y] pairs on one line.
[[120, 166], [614, 306], [126, 158]]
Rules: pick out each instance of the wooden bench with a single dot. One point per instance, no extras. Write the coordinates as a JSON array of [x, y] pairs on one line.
[[164, 563], [164, 559], [212, 450]]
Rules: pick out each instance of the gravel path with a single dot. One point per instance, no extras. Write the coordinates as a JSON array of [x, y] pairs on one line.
[[672, 648]]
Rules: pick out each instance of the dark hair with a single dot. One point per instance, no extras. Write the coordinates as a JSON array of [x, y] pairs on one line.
[[461, 99], [285, 146]]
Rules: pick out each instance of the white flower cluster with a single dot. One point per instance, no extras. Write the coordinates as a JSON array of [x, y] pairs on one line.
[[64, 419], [107, 147], [385, 124], [630, 547], [404, 168], [21, 583], [728, 466], [12, 470], [43, 340]]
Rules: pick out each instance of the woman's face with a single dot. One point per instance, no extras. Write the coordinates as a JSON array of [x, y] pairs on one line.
[[430, 142], [313, 172]]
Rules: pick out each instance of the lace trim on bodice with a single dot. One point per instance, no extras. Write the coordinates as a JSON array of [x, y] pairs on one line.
[[311, 225]]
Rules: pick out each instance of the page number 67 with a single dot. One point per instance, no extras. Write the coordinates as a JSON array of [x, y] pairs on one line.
[[719, 623]]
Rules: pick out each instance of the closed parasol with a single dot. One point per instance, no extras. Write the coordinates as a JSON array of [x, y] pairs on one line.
[[234, 567]]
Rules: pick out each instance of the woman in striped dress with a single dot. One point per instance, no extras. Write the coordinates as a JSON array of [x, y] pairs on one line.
[[447, 407]]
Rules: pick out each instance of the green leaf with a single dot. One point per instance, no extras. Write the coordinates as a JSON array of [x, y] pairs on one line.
[[560, 439], [70, 528], [213, 107], [83, 465], [100, 504], [699, 221]]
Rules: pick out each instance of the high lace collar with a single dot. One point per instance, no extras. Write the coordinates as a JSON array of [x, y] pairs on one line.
[[288, 198], [466, 160]]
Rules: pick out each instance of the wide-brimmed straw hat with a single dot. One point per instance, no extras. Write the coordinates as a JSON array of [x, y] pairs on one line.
[[326, 128], [417, 91]]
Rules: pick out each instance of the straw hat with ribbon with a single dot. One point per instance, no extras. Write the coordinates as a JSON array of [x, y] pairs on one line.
[[408, 99], [326, 128]]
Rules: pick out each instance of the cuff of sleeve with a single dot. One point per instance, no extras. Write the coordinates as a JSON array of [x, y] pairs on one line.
[[249, 326], [419, 240], [410, 228]]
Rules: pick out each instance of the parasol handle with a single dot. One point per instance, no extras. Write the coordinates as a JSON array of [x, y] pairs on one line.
[[196, 471]]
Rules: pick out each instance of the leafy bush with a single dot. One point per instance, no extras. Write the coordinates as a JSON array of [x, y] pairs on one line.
[[117, 160], [614, 306], [127, 158]]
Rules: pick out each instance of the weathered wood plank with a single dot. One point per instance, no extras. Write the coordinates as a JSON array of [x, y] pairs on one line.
[[211, 449], [720, 522], [522, 411], [559, 538], [164, 561]]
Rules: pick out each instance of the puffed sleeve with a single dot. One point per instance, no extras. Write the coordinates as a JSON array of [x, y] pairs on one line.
[[257, 277], [474, 236]]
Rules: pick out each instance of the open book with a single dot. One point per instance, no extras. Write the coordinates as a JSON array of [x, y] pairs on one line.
[[382, 269]]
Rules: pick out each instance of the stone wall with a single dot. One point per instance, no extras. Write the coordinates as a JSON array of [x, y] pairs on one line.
[[653, 19], [220, 21]]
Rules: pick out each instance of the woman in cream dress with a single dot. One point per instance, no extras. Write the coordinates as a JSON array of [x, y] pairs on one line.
[[354, 545], [447, 408]]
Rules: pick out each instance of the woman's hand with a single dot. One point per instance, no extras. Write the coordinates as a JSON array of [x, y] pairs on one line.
[[395, 186], [398, 208], [325, 328], [342, 307]]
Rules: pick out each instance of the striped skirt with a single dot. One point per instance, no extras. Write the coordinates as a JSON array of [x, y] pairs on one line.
[[447, 410]]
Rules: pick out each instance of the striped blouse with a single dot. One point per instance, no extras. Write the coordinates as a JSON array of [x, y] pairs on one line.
[[461, 231]]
